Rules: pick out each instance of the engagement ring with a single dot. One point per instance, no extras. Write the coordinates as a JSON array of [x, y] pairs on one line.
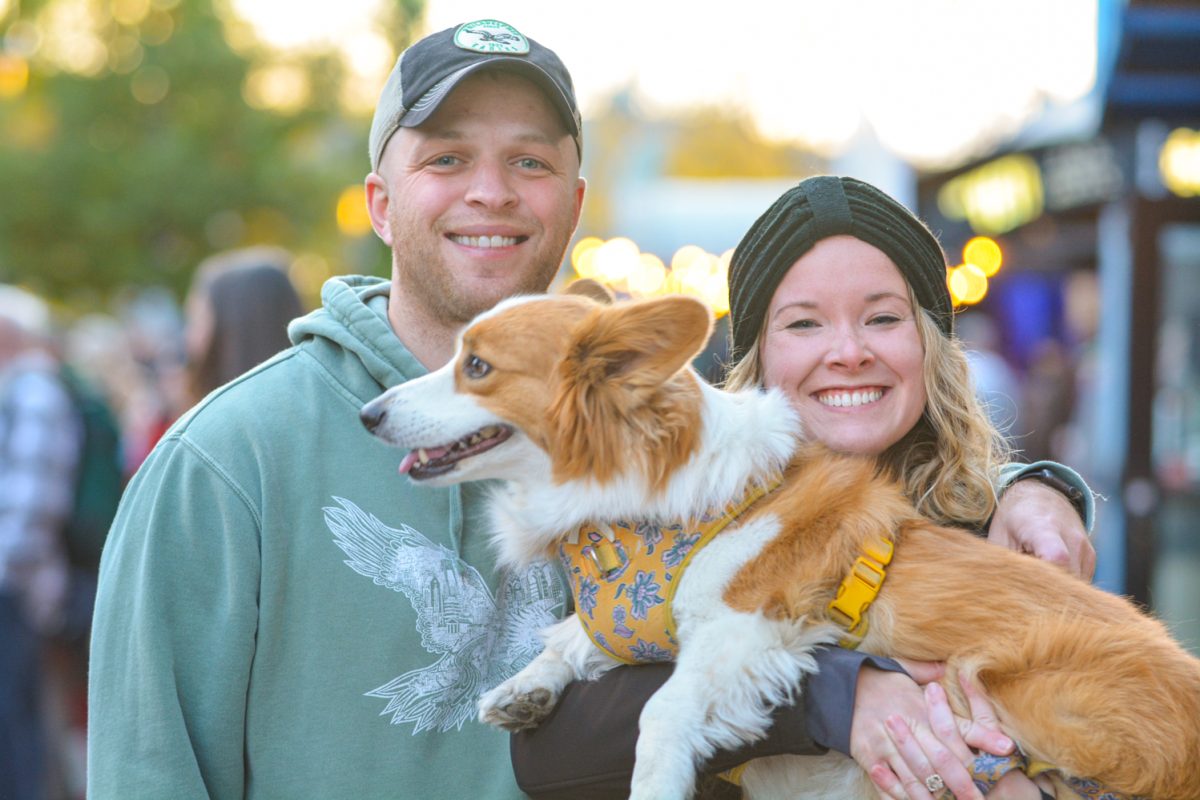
[[935, 784]]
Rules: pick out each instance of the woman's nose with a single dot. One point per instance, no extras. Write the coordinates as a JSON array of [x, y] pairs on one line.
[[849, 349]]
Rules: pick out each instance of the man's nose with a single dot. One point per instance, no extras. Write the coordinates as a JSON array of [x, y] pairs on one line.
[[491, 185]]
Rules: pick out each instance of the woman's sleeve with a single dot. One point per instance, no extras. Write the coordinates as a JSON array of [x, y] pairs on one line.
[[1011, 473], [585, 749]]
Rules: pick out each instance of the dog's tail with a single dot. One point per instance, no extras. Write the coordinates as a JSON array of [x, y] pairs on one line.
[[1118, 704]]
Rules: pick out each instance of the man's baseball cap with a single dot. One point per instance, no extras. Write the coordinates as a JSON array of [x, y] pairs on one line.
[[427, 71]]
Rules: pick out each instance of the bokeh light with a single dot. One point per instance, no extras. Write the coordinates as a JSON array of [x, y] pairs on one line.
[[968, 285], [14, 75], [620, 265], [584, 245], [1179, 162], [615, 260], [983, 253], [283, 88], [150, 85], [352, 216]]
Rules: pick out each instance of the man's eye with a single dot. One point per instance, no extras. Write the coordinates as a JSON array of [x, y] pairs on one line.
[[531, 163], [445, 161], [475, 367]]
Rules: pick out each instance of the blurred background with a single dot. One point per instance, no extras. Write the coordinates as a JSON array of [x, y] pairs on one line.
[[1053, 146]]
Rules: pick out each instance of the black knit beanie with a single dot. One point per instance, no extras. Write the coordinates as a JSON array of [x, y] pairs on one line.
[[816, 209]]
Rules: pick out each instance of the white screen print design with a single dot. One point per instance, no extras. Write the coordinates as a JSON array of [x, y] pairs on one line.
[[480, 640]]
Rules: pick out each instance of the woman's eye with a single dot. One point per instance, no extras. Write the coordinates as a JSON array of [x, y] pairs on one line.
[[475, 367], [801, 324], [885, 319]]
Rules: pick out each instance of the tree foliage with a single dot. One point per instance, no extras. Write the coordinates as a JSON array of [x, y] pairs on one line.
[[131, 173]]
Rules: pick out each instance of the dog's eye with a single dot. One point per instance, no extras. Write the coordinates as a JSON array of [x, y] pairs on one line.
[[475, 367]]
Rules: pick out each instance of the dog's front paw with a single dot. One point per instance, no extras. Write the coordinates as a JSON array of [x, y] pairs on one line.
[[514, 707]]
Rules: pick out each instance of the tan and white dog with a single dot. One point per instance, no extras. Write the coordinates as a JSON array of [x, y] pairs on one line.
[[588, 412]]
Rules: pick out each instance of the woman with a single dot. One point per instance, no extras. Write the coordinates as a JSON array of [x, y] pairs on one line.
[[838, 298], [238, 310]]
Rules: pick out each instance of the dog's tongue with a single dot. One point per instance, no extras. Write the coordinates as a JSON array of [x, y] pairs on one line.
[[414, 457]]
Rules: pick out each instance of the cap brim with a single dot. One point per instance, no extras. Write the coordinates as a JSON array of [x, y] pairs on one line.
[[424, 107]]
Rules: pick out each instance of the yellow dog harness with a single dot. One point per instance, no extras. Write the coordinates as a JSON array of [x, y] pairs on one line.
[[623, 576]]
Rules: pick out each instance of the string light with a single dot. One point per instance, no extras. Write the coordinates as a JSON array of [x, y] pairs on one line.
[[619, 264]]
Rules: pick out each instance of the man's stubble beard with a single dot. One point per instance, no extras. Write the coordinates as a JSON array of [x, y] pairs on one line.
[[445, 298]]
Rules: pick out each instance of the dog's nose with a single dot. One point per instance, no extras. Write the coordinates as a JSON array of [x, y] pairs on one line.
[[372, 415]]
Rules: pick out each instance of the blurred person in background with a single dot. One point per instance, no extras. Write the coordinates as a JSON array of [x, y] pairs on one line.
[[237, 313], [99, 349], [152, 326], [997, 385], [40, 437]]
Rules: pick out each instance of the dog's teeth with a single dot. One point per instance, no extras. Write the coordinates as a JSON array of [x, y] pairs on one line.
[[475, 438], [422, 455], [489, 431]]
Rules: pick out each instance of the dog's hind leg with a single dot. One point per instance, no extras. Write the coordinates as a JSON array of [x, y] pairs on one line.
[[528, 697], [732, 671], [1118, 704]]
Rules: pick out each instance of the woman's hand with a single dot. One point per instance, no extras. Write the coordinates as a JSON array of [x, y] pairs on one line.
[[902, 735], [1034, 518], [980, 728]]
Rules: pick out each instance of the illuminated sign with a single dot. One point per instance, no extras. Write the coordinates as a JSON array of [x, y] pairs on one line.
[[996, 197], [1179, 162]]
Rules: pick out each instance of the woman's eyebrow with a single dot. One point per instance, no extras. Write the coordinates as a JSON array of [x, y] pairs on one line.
[[871, 298]]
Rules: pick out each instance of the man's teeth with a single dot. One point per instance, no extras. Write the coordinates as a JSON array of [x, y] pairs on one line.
[[485, 241], [846, 399]]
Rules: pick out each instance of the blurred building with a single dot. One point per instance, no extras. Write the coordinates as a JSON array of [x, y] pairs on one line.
[[1097, 211]]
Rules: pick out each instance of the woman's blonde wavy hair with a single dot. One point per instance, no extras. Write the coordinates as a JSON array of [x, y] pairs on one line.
[[951, 458]]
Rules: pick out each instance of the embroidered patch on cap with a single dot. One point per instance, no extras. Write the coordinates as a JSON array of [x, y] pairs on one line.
[[490, 36]]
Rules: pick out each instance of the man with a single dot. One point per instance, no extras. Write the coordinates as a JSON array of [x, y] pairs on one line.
[[279, 614], [39, 450]]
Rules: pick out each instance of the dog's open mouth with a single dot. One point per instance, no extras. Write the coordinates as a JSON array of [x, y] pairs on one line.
[[427, 462]]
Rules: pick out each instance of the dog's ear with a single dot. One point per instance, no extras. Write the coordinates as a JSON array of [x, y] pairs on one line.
[[643, 343], [586, 287], [619, 359]]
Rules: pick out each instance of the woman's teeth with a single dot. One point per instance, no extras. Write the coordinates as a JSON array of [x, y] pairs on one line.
[[484, 241], [846, 399]]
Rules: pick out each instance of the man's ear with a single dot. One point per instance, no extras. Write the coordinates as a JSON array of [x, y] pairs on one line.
[[378, 201], [641, 344]]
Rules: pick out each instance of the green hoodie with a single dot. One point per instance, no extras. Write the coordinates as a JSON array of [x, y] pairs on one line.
[[281, 615]]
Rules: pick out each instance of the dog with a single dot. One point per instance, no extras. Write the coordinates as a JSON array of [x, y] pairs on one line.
[[588, 413]]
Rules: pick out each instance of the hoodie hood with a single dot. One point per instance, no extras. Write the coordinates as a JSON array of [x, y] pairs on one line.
[[351, 332]]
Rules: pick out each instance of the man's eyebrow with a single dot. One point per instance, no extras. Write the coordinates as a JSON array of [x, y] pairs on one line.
[[528, 137], [443, 134]]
